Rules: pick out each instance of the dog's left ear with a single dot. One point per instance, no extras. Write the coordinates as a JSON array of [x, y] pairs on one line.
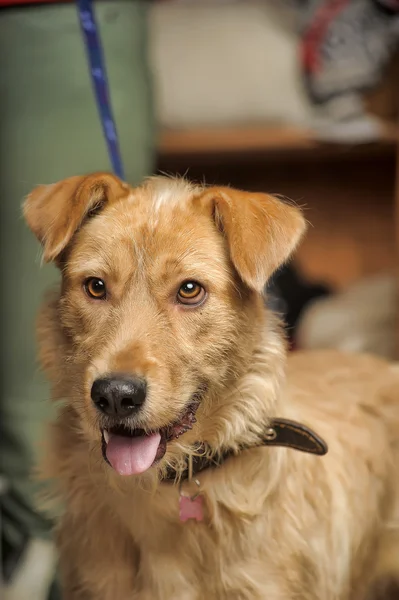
[[55, 212], [261, 231]]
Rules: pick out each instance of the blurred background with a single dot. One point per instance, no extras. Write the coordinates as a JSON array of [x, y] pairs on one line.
[[297, 97]]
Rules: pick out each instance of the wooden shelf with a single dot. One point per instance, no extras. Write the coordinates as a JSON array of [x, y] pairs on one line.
[[244, 139], [240, 139]]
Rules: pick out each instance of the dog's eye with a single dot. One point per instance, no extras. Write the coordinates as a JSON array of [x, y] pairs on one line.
[[190, 292], [95, 288]]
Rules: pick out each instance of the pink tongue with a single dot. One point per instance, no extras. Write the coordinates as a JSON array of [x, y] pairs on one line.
[[131, 456]]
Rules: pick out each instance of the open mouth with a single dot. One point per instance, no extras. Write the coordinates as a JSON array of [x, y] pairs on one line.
[[134, 451]]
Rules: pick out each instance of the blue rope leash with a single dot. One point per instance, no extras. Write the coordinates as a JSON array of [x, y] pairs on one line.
[[100, 83]]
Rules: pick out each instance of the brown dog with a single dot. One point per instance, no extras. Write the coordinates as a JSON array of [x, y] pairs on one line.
[[177, 448]]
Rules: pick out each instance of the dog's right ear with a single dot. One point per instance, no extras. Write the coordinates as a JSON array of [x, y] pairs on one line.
[[55, 212]]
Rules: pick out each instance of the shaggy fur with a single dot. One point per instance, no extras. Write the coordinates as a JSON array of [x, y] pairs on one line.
[[279, 524]]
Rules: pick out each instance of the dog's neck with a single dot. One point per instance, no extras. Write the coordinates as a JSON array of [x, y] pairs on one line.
[[251, 413], [242, 411], [237, 414]]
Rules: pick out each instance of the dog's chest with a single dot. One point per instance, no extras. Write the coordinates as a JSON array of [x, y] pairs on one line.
[[192, 561], [226, 555]]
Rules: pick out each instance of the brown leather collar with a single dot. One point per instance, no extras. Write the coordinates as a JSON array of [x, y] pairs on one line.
[[280, 432]]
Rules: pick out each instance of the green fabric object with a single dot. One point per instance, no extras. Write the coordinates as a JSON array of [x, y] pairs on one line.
[[50, 130]]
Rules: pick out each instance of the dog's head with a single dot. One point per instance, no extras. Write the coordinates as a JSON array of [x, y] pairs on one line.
[[160, 308]]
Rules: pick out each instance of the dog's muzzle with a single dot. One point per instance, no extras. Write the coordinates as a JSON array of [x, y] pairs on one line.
[[132, 451]]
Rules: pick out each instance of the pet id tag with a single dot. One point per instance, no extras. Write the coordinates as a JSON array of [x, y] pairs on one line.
[[191, 508]]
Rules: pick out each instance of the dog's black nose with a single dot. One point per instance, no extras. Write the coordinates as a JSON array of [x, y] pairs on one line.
[[118, 396]]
